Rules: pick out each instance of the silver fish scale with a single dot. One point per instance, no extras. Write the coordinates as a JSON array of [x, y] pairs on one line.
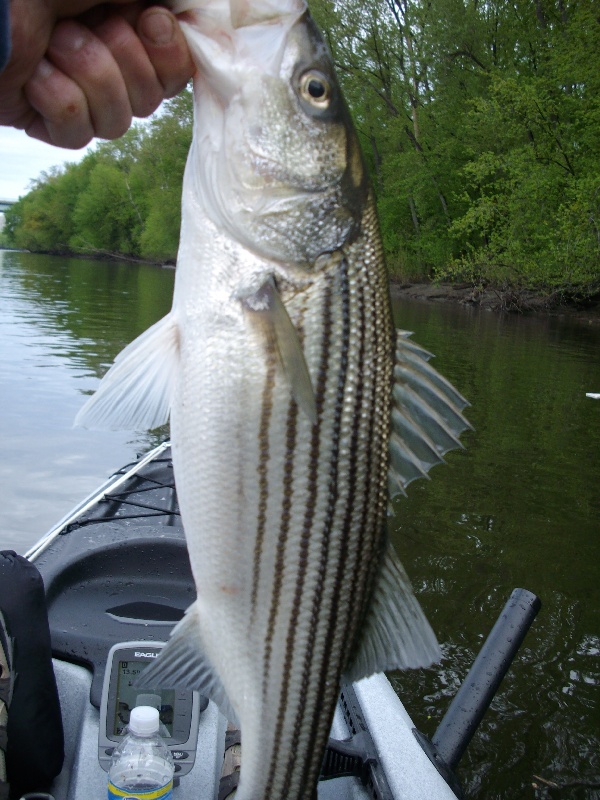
[[319, 539]]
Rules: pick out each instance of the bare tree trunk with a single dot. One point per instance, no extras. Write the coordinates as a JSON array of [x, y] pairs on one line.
[[413, 213]]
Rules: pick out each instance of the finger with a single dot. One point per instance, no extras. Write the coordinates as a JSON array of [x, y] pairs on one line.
[[62, 116], [128, 9], [144, 89], [29, 34], [83, 57], [167, 48], [72, 8]]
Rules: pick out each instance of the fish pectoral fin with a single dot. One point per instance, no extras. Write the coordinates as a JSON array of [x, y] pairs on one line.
[[268, 313], [136, 391], [396, 634], [183, 665], [426, 416]]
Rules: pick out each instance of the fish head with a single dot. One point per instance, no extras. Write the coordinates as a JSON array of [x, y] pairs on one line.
[[277, 161]]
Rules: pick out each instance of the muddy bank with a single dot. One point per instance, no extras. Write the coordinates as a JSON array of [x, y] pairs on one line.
[[517, 301]]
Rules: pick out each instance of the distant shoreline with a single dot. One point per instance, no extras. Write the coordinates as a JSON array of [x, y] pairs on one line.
[[99, 256], [515, 301], [519, 301]]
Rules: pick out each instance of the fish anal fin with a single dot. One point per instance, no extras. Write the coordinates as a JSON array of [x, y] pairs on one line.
[[267, 311], [182, 664], [136, 391], [396, 634]]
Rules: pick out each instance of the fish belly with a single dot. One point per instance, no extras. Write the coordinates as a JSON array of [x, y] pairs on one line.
[[284, 517]]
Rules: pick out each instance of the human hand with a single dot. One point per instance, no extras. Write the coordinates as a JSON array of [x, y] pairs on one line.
[[80, 69]]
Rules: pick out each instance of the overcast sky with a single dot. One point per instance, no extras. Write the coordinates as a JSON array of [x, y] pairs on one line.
[[22, 159]]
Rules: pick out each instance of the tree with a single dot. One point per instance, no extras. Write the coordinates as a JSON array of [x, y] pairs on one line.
[[532, 182], [478, 120], [158, 176]]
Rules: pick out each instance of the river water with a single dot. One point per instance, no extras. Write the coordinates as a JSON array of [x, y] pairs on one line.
[[519, 507]]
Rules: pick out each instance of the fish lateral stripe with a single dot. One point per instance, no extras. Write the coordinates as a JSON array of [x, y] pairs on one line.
[[335, 621], [263, 441], [343, 616], [320, 669], [307, 534], [361, 579], [286, 508]]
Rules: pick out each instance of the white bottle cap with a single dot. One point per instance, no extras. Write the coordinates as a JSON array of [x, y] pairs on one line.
[[144, 720]]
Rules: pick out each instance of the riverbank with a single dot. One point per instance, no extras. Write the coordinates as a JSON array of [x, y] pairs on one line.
[[517, 301], [584, 309]]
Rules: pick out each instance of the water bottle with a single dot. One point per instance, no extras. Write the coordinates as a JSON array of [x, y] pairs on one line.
[[141, 765]]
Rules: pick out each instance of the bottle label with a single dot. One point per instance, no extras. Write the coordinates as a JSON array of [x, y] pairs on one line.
[[164, 793]]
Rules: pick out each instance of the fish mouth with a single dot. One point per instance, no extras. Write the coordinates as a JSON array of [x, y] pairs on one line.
[[227, 37], [243, 13]]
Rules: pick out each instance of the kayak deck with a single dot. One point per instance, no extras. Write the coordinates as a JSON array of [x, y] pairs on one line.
[[116, 569]]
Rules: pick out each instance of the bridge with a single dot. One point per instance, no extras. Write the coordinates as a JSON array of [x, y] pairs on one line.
[[4, 206]]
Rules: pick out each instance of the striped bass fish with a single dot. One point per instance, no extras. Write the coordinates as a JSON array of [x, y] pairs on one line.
[[296, 410]]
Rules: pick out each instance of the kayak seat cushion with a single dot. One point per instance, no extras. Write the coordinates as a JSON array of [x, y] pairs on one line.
[[34, 731]]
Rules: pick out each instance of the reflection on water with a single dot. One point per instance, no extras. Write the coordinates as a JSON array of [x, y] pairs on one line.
[[62, 323], [518, 507]]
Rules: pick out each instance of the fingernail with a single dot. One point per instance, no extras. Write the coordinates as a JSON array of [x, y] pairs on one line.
[[43, 69], [158, 27], [69, 36]]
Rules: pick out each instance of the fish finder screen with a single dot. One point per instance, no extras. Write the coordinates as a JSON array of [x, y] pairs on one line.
[[129, 697]]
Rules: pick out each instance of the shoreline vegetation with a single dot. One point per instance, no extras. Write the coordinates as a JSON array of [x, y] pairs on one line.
[[479, 125], [582, 308]]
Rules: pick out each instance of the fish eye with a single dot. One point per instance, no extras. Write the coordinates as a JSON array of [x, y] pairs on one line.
[[315, 89]]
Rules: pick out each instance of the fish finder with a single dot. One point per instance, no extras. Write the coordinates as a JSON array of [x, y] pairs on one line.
[[179, 709]]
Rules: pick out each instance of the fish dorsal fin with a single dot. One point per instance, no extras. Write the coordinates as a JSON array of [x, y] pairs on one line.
[[426, 416], [267, 311], [136, 391], [183, 665], [396, 634]]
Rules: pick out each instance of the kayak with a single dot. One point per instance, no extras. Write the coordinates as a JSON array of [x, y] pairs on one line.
[[117, 578]]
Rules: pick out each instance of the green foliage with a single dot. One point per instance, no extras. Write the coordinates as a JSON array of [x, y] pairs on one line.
[[479, 124], [106, 216], [158, 175], [42, 220], [531, 193], [123, 199]]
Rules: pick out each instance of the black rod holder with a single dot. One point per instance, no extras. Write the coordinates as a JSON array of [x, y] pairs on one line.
[[489, 668]]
